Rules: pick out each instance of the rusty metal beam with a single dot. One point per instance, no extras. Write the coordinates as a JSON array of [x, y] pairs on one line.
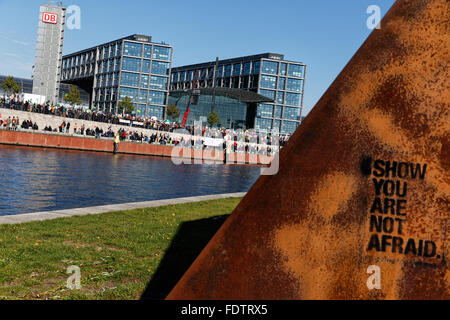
[[363, 182]]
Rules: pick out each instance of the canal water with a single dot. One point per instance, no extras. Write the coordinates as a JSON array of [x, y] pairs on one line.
[[33, 180]]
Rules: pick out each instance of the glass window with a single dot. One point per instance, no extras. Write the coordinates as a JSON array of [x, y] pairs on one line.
[[159, 67], [237, 69], [210, 73], [162, 53], [131, 64], [291, 113], [113, 51], [105, 66], [220, 72], [263, 124], [288, 127], [143, 96], [247, 66], [283, 68], [130, 79], [117, 65], [235, 82], [147, 51], [144, 81], [277, 112], [114, 92], [155, 111], [256, 66], [146, 66], [294, 85], [281, 83], [132, 49], [268, 82], [203, 74], [158, 83], [141, 110], [280, 97], [293, 99], [267, 93], [110, 80], [296, 70], [276, 125], [270, 67], [128, 92], [156, 97], [264, 110], [228, 70], [108, 95]]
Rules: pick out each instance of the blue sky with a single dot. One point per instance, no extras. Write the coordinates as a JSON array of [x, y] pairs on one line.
[[324, 34]]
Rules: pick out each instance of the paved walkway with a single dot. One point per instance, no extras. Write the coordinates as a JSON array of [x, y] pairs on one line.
[[40, 216]]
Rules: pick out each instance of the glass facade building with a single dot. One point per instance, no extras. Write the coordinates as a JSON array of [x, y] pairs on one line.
[[269, 75], [131, 67]]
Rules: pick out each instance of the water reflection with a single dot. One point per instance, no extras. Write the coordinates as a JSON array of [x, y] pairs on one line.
[[45, 179]]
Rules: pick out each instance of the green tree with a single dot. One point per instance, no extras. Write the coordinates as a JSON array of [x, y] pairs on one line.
[[172, 112], [73, 96], [213, 118], [127, 105], [10, 85]]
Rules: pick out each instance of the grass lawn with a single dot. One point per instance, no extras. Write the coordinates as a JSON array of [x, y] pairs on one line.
[[122, 255]]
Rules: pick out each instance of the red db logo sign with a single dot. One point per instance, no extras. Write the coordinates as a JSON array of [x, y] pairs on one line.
[[48, 17]]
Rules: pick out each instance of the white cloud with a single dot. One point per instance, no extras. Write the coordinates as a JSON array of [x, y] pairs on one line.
[[9, 54], [23, 43]]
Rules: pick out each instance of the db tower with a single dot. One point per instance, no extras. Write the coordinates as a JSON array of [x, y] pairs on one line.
[[49, 47]]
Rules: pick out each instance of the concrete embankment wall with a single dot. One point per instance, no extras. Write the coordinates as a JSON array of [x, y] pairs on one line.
[[69, 142]]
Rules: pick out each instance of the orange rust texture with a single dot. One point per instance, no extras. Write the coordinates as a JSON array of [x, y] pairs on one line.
[[90, 144], [304, 233]]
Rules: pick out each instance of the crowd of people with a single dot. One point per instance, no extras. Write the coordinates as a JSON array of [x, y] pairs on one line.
[[77, 113], [173, 133]]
